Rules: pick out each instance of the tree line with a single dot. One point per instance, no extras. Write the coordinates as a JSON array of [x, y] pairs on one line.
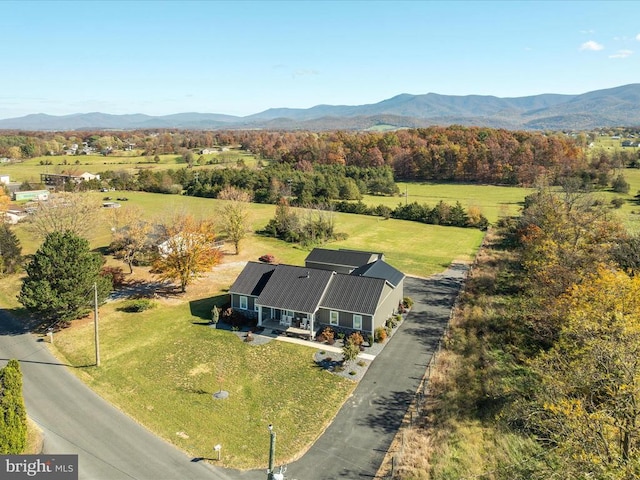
[[548, 346]]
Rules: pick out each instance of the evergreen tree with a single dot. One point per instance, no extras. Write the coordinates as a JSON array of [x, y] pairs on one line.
[[10, 250], [13, 415], [60, 278]]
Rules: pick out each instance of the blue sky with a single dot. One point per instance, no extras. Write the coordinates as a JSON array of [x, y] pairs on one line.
[[244, 57]]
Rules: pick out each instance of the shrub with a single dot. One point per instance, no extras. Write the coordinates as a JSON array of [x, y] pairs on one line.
[[115, 274], [380, 334], [350, 351], [340, 335], [361, 363], [407, 302], [356, 338], [617, 202], [328, 335], [370, 339], [353, 372], [139, 305], [268, 258]]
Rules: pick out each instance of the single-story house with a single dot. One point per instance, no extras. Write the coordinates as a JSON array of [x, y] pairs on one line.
[[349, 290], [31, 195]]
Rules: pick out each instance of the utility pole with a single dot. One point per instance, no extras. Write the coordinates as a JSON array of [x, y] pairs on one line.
[[272, 452], [95, 322]]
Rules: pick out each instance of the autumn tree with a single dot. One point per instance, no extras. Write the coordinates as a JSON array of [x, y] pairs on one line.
[[130, 233], [13, 415], [187, 249], [60, 278], [64, 211], [589, 394], [235, 214], [4, 203]]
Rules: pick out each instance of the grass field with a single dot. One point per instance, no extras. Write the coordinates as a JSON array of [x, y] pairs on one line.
[[493, 201], [30, 170]]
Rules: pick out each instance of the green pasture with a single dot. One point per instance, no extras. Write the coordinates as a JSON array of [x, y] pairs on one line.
[[30, 169], [493, 201]]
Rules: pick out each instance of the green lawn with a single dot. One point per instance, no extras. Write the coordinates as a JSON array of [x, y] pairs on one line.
[[162, 367]]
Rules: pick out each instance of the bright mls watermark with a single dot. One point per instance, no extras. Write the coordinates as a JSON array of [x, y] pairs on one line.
[[49, 467]]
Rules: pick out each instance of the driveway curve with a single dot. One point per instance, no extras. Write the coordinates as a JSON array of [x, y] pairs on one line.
[[111, 446]]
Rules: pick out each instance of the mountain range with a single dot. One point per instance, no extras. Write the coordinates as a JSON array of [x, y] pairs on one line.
[[619, 106]]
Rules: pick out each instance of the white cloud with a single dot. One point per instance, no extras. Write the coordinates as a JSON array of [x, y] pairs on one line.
[[592, 46], [587, 31], [638, 37], [302, 72], [621, 54]]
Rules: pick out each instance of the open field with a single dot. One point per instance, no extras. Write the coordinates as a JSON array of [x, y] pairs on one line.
[[30, 170], [493, 201]]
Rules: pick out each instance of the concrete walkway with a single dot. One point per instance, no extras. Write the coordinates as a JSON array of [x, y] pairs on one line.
[[327, 348]]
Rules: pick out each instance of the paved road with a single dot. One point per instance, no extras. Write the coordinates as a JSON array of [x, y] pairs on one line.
[[75, 420], [111, 446]]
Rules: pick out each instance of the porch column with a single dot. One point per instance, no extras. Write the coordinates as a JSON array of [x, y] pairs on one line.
[[260, 315], [312, 326]]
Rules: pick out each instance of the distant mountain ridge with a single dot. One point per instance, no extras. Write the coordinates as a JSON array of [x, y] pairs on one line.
[[618, 106]]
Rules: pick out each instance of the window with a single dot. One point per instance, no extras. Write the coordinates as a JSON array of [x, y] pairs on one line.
[[243, 303], [334, 318], [289, 313], [357, 322]]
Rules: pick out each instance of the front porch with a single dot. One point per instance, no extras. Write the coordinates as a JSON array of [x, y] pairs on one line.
[[297, 328]]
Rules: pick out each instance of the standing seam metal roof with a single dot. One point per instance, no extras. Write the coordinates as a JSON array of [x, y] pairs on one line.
[[353, 294], [295, 288], [252, 279]]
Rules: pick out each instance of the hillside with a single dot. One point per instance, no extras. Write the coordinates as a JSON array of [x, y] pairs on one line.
[[619, 106]]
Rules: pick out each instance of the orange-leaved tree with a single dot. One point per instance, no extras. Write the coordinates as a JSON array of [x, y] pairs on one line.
[[187, 249]]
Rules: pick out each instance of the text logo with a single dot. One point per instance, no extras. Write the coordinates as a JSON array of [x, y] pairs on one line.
[[39, 467]]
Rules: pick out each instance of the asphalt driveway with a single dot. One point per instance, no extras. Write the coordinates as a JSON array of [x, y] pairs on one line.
[[356, 442]]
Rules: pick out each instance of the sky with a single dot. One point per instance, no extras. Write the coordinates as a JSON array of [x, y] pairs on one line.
[[243, 57]]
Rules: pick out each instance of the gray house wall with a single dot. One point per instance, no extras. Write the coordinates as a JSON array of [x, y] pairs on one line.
[[390, 299], [345, 320]]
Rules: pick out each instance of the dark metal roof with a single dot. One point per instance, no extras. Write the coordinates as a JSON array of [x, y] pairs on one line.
[[353, 294], [295, 288], [252, 279], [342, 258], [381, 269]]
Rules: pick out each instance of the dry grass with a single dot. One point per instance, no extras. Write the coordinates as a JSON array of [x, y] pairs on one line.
[[448, 437]]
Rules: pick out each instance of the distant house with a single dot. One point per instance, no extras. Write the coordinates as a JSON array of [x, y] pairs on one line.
[[345, 289], [61, 179], [30, 195], [4, 179]]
